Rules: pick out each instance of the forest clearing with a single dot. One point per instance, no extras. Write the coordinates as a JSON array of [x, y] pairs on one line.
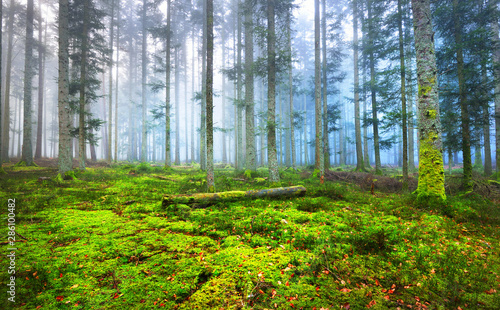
[[104, 241]]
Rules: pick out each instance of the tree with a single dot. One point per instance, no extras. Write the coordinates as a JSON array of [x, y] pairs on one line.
[[27, 154], [210, 103], [110, 95], [431, 172], [144, 66], [65, 162], [319, 162], [40, 122], [357, 122], [325, 87], [1, 30], [403, 97], [272, 157], [167, 91], [249, 88]]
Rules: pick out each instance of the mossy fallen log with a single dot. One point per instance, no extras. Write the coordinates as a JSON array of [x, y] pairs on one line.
[[204, 199]]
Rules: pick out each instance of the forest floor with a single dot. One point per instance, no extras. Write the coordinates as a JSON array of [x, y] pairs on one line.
[[104, 241]]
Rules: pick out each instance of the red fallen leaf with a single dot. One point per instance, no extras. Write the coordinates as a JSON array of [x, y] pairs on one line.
[[154, 303], [162, 305], [393, 286], [38, 307], [60, 298], [60, 275], [377, 283], [346, 306], [261, 291], [345, 290], [317, 289], [291, 305], [387, 297], [390, 291], [116, 296], [143, 301], [371, 304], [240, 265], [273, 293], [384, 290], [287, 284], [492, 291]]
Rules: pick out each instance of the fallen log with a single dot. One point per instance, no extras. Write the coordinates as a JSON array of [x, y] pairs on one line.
[[205, 199]]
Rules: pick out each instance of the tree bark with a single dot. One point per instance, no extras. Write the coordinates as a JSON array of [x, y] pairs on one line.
[[40, 122], [27, 152], [110, 96], [272, 157], [203, 125], [431, 172], [211, 198], [357, 122], [65, 162], [210, 99], [239, 83], [319, 159], [1, 81], [325, 88], [167, 88], [403, 97], [8, 73], [144, 67], [116, 79], [496, 71], [249, 88], [290, 82], [177, 156], [83, 77]]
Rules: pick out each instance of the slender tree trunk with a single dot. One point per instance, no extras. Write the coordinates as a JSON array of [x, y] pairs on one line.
[[1, 81], [290, 82], [65, 162], [192, 101], [486, 129], [496, 60], [224, 138], [40, 122], [186, 132], [319, 162], [431, 172], [249, 88], [167, 90], [403, 97], [272, 158], [144, 65], [110, 93], [177, 160], [373, 92], [464, 109], [239, 84], [306, 146], [8, 73], [325, 89], [203, 126], [357, 122], [27, 153], [116, 79], [210, 99], [83, 79]]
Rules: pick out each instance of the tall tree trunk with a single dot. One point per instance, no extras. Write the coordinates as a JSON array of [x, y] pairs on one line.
[[486, 128], [224, 138], [167, 90], [83, 78], [177, 160], [1, 81], [357, 122], [290, 82], [8, 73], [464, 110], [186, 132], [496, 61], [144, 66], [249, 88], [325, 88], [239, 84], [116, 79], [192, 101], [431, 171], [272, 157], [210, 98], [40, 122], [65, 162], [27, 154], [306, 146], [110, 96], [319, 159], [376, 144], [403, 97], [203, 126]]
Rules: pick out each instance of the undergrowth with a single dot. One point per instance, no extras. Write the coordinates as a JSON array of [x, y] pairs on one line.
[[105, 241]]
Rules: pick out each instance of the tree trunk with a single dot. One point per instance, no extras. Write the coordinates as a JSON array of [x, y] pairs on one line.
[[27, 153], [290, 82], [192, 101], [1, 81], [239, 84], [249, 88], [431, 172], [496, 61], [373, 92], [357, 122], [272, 157], [110, 95], [325, 89], [83, 77], [210, 99], [177, 158], [319, 159], [144, 66], [8, 73], [306, 146], [65, 162], [486, 128], [403, 97], [203, 126], [116, 79], [224, 137], [167, 89], [208, 199], [464, 109], [40, 122]]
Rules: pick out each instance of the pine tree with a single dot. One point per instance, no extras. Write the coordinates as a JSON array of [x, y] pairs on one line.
[[272, 157], [210, 103]]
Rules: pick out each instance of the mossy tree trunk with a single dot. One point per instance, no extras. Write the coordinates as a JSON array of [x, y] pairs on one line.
[[144, 67], [496, 62], [272, 157], [249, 88], [403, 97], [40, 122], [431, 171], [210, 99], [290, 82], [83, 76], [65, 162], [8, 72], [325, 86], [110, 96]]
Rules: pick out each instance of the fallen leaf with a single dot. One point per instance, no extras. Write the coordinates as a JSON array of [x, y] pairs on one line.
[[492, 291], [74, 286], [371, 304], [345, 290], [346, 306], [60, 298]]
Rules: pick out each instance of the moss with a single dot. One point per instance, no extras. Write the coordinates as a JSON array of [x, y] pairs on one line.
[[2, 171], [431, 172], [248, 174], [432, 113]]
